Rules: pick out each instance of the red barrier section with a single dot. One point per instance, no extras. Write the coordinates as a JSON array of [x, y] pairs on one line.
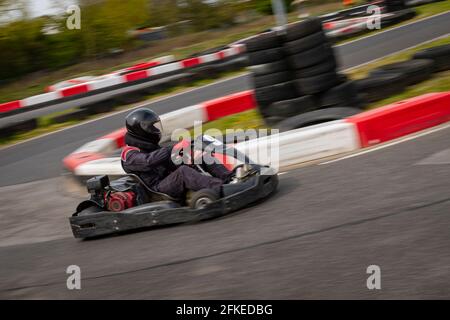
[[402, 118], [118, 136], [74, 90], [187, 63], [228, 105], [144, 65], [136, 76], [8, 106], [72, 161]]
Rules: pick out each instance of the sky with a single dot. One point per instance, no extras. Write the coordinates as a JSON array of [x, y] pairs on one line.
[[48, 7]]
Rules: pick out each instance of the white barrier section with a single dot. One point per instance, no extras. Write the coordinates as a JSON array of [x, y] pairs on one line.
[[105, 83], [165, 59], [182, 118], [108, 166], [166, 68], [40, 98], [302, 145], [348, 29], [98, 146], [278, 151], [210, 57]]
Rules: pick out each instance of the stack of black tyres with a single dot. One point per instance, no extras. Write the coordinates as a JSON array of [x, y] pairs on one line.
[[295, 73], [272, 79], [440, 56], [393, 78], [297, 84], [394, 5], [324, 94]]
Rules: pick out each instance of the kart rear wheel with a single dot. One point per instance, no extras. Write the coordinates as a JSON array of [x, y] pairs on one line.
[[202, 198]]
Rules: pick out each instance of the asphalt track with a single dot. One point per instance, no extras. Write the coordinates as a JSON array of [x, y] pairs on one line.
[[313, 239], [41, 158]]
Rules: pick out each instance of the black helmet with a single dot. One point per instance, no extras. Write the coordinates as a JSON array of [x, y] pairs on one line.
[[145, 124]]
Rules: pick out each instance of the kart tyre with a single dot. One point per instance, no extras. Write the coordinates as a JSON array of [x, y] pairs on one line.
[[263, 41], [316, 117], [398, 16], [440, 55], [273, 121], [267, 68], [205, 72], [277, 92], [311, 57], [265, 56], [316, 84], [271, 79], [263, 109], [292, 107], [200, 199], [21, 126], [414, 71], [303, 29], [306, 43], [328, 65], [232, 64], [394, 5], [343, 95], [379, 86]]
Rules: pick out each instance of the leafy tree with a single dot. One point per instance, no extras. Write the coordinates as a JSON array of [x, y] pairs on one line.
[[265, 6]]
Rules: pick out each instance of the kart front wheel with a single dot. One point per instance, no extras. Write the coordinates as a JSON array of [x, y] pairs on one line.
[[203, 198]]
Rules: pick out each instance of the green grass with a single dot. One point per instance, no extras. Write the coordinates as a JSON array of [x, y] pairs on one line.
[[250, 119]]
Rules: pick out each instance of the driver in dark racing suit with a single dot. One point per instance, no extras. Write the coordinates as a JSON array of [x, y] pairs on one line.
[[144, 157]]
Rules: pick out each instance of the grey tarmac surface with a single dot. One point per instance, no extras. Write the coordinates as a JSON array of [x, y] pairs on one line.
[[313, 239], [41, 158]]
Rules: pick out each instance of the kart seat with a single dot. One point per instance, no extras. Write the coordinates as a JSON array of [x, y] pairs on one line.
[[153, 195]]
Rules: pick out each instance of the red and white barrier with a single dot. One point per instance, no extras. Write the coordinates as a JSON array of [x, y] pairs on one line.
[[348, 30], [401, 118], [148, 64], [301, 145], [94, 79], [338, 24], [294, 147], [179, 119], [119, 78]]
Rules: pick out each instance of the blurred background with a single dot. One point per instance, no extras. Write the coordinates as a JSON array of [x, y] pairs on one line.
[[34, 36], [329, 220]]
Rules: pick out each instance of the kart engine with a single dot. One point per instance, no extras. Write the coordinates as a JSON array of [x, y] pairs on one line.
[[119, 201], [100, 190]]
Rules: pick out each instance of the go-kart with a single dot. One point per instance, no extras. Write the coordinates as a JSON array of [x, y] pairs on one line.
[[128, 203]]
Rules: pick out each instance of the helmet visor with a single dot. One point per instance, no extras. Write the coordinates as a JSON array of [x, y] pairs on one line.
[[152, 127]]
